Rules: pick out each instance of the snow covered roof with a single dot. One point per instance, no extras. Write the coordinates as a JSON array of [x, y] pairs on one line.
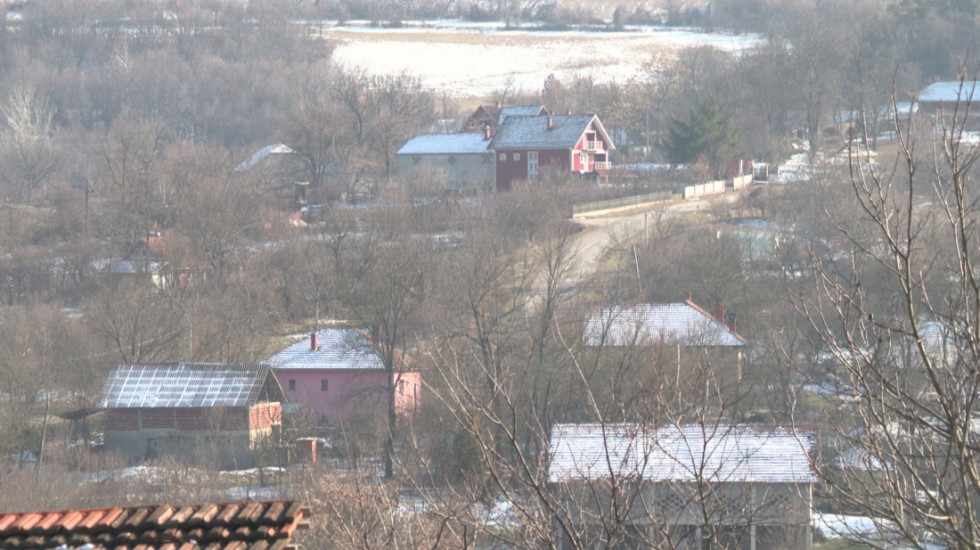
[[263, 153], [746, 453], [646, 324], [531, 132], [336, 348], [949, 92], [446, 144], [185, 385], [520, 110]]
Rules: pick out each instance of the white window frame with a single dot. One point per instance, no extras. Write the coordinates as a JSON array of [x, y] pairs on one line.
[[532, 166], [517, 156], [503, 156]]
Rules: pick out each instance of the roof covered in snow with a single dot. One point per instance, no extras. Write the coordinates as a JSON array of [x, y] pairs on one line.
[[950, 92], [532, 132], [520, 110], [183, 385], [263, 153], [336, 348], [747, 453], [446, 144], [651, 324]]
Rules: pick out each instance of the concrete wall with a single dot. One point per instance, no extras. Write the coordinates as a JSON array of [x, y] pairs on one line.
[[349, 392], [462, 172]]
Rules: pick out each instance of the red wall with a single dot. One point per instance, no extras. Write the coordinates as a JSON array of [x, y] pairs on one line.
[[510, 170]]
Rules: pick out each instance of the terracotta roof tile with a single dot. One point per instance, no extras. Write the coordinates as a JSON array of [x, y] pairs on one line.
[[228, 526]]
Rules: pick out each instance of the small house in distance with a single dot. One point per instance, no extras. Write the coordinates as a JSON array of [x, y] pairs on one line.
[[462, 159], [747, 486], [338, 375], [572, 144], [191, 410]]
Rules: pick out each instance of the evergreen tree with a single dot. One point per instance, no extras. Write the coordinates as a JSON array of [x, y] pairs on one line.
[[709, 134]]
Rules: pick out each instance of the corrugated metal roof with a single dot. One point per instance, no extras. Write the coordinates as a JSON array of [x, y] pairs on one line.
[[183, 385], [531, 132], [650, 324], [337, 348], [747, 453], [263, 153], [446, 144], [950, 92], [236, 525]]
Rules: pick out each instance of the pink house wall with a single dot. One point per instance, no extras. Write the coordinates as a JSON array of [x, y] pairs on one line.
[[349, 392]]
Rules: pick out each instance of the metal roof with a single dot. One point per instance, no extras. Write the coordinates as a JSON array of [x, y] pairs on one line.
[[263, 153], [446, 144], [649, 324], [746, 453], [337, 348], [531, 132], [185, 385], [950, 92]]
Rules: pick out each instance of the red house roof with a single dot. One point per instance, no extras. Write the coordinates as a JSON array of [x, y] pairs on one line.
[[238, 525]]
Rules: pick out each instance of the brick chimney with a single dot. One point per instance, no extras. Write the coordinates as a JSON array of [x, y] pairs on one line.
[[313, 343], [486, 132], [720, 312], [551, 123], [731, 322], [499, 105], [688, 297], [375, 334]]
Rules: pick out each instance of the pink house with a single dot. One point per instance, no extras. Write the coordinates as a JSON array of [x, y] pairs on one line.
[[338, 375]]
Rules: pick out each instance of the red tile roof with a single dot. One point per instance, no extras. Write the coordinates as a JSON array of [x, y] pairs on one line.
[[237, 525]]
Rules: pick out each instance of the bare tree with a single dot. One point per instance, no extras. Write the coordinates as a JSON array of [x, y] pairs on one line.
[[902, 319]]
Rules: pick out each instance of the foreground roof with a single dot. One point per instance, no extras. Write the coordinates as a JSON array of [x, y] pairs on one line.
[[950, 92], [185, 385], [240, 525], [746, 453], [446, 144], [651, 324], [531, 132], [336, 348]]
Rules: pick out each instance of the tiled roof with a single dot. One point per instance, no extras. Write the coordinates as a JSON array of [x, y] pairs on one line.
[[188, 385], [337, 348], [646, 324], [446, 144], [531, 132], [747, 453], [263, 153], [241, 525], [950, 92]]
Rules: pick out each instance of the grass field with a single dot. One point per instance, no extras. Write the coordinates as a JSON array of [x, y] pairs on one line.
[[481, 60]]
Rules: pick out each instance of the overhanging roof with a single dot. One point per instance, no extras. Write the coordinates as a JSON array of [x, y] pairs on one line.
[[189, 385], [745, 453]]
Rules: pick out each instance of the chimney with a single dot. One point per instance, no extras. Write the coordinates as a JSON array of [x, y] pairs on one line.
[[375, 334], [731, 322], [688, 297], [720, 312], [486, 132], [569, 112], [499, 105], [551, 123], [313, 344]]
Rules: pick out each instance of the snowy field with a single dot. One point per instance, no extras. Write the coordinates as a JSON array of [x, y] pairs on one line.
[[482, 59]]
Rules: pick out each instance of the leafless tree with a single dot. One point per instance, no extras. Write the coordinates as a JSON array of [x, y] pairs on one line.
[[900, 317]]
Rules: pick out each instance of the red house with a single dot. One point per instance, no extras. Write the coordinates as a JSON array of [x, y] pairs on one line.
[[524, 145]]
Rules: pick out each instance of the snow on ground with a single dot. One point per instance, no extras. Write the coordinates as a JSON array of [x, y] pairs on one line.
[[480, 59], [836, 526]]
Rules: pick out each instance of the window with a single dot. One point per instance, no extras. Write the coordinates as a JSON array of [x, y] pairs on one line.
[[503, 156], [532, 166], [401, 388], [292, 385], [324, 384], [517, 156], [583, 159]]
